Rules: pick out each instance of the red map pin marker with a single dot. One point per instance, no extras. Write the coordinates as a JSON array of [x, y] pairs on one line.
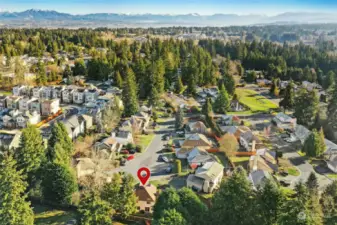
[[143, 175]]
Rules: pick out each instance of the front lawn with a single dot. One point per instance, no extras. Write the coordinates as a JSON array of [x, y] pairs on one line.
[[144, 140], [254, 101], [301, 153], [48, 216], [332, 176]]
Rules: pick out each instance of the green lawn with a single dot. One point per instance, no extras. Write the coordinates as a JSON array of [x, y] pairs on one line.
[[47, 216], [332, 176], [246, 113], [6, 93], [254, 101], [301, 153], [293, 171], [144, 140], [239, 159]]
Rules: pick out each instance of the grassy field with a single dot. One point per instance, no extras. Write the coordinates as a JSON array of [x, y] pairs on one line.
[[332, 176], [254, 101], [144, 140], [47, 216]]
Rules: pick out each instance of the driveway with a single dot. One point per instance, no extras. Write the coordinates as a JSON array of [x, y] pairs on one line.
[[305, 169], [150, 157]]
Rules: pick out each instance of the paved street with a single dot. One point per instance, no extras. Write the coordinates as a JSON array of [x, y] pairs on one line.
[[150, 157], [305, 169]]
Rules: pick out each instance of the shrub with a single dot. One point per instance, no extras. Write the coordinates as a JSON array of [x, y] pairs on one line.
[[139, 148], [129, 146], [178, 164]]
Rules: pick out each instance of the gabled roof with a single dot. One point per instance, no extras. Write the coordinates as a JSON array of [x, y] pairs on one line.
[[283, 118], [209, 170], [258, 177], [146, 193], [331, 148]]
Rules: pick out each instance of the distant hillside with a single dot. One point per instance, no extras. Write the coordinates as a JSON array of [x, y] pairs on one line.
[[41, 18]]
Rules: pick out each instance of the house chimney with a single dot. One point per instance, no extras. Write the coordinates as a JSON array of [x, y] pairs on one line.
[[253, 146]]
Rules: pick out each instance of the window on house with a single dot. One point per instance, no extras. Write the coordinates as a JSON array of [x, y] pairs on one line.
[[138, 208], [147, 209]]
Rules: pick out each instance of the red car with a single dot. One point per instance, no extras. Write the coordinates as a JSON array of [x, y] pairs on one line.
[[124, 151], [131, 157]]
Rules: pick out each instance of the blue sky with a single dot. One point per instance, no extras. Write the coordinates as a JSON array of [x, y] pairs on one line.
[[206, 7]]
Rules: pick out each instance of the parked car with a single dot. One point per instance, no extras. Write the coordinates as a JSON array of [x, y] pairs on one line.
[[285, 183], [163, 159], [131, 157], [168, 169], [124, 151], [132, 151], [284, 173]]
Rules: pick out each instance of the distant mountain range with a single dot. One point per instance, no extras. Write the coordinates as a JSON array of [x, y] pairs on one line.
[[46, 18]]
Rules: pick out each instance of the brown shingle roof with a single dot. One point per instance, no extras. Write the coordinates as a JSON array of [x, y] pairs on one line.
[[146, 193]]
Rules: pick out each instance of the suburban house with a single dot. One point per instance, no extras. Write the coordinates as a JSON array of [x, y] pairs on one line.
[[331, 148], [2, 102], [12, 102], [227, 120], [50, 107], [25, 103], [91, 95], [57, 92], [10, 140], [35, 105], [146, 197], [113, 144], [256, 162], [301, 133], [20, 90], [192, 141], [145, 117], [283, 121], [258, 178], [250, 142], [332, 163], [46, 93], [75, 126], [67, 95], [88, 121], [26, 118], [206, 178], [196, 127], [228, 129], [198, 157], [36, 92], [79, 96]]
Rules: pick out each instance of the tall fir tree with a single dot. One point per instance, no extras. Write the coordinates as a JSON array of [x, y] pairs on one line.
[[179, 119], [332, 108], [31, 153], [130, 99], [222, 102], [314, 145], [128, 198], [58, 183], [14, 209], [178, 86], [229, 83], [306, 107], [118, 80], [288, 100]]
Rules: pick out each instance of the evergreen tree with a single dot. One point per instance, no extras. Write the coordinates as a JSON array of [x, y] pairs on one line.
[[179, 122], [93, 210], [312, 183], [329, 202], [14, 209], [196, 211], [207, 109], [306, 107], [67, 72], [170, 217], [59, 136], [222, 102], [179, 86], [58, 183], [79, 68], [111, 192], [229, 83], [119, 80], [130, 94], [128, 198], [314, 145], [31, 152], [270, 200], [332, 108], [229, 205], [288, 100], [41, 77]]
